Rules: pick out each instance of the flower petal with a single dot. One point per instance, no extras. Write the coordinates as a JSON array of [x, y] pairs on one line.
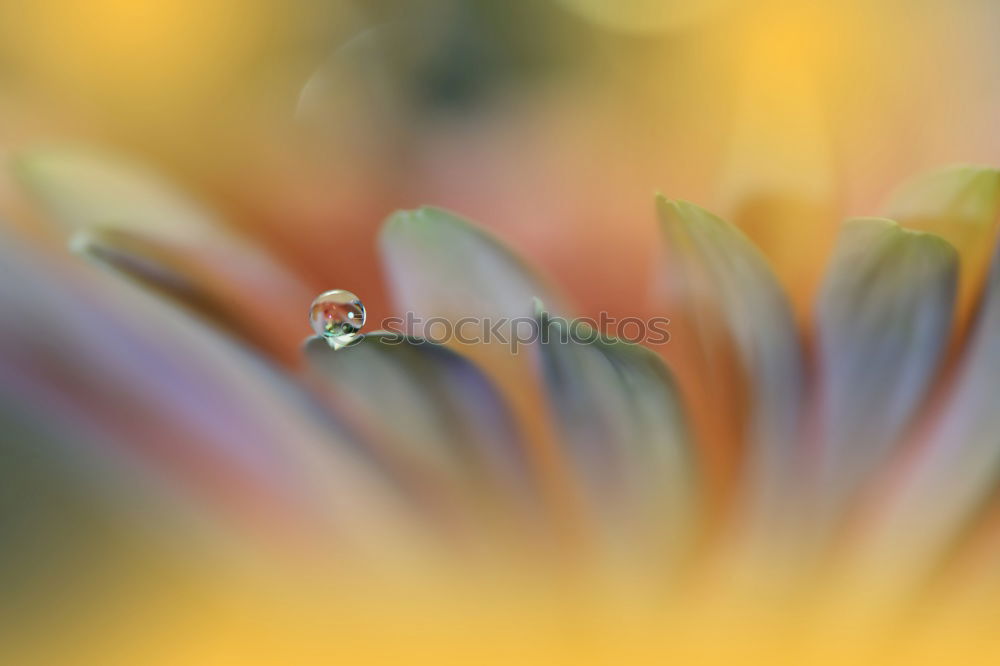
[[732, 325], [961, 204], [79, 188], [884, 318], [953, 478], [441, 266], [168, 272], [622, 425], [430, 416], [186, 405], [127, 218]]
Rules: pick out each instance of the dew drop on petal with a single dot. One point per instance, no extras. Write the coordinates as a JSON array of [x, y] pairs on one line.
[[337, 316]]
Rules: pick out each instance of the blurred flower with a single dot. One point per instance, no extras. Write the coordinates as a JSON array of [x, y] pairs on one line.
[[179, 490]]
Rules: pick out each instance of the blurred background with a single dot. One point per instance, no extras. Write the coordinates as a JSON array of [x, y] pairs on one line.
[[301, 124], [551, 121]]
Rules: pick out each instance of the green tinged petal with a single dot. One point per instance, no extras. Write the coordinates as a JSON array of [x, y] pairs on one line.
[[957, 475], [429, 415], [884, 319], [950, 202], [961, 204], [79, 188], [713, 266], [130, 220], [622, 427], [441, 265]]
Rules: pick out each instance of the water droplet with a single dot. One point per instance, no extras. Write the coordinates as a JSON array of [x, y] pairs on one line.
[[337, 316]]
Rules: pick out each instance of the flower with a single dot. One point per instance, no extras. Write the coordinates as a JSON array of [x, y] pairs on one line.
[[180, 489]]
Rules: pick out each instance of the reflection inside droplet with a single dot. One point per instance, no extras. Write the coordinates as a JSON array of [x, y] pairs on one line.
[[337, 316]]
